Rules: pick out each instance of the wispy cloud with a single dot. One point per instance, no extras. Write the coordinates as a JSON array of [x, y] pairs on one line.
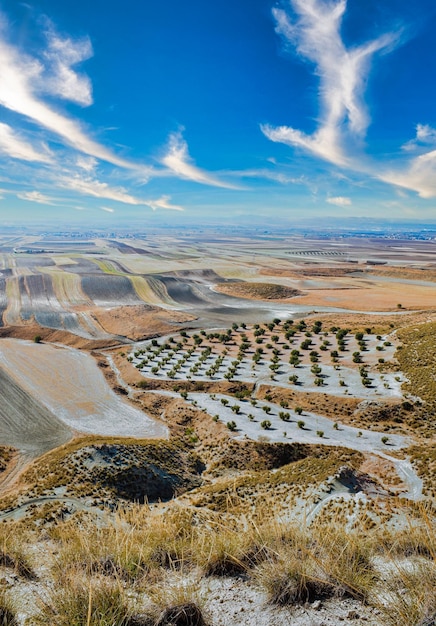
[[60, 79], [269, 174], [92, 187], [36, 196], [107, 209], [425, 136], [180, 163], [425, 133], [88, 164], [21, 78], [419, 175], [16, 147], [163, 203], [340, 201], [342, 72]]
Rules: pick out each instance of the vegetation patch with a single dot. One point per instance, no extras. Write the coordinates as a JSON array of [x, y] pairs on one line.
[[126, 470], [417, 359], [257, 291]]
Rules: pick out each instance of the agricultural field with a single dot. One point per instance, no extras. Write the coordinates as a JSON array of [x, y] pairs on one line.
[[66, 286], [297, 356]]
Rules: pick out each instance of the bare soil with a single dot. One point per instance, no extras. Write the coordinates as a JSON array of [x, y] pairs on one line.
[[138, 322]]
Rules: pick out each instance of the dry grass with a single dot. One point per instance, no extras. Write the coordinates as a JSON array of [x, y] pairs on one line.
[[257, 291], [318, 564], [119, 469], [417, 359], [144, 567], [7, 611], [84, 601]]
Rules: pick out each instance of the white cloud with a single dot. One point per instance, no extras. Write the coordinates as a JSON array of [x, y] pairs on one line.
[[340, 201], [342, 73], [15, 147], [60, 79], [92, 187], [86, 163], [20, 79], [178, 161], [420, 175], [425, 133], [36, 196], [163, 203], [107, 209], [270, 174]]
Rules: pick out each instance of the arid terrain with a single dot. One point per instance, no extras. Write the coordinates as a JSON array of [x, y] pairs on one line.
[[240, 429]]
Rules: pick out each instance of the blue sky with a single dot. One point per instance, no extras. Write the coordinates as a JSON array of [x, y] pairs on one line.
[[219, 111]]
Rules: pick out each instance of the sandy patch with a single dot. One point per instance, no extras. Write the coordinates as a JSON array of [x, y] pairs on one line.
[[375, 296], [139, 322]]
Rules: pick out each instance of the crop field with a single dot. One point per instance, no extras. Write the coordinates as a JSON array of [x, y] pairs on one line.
[[109, 290], [71, 387], [61, 284]]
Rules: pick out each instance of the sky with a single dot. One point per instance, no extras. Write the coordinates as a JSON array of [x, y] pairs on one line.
[[194, 111]]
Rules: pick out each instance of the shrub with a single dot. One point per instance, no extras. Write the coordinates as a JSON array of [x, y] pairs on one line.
[[266, 424]]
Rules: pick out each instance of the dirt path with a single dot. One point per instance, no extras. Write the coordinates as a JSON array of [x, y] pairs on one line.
[[20, 511]]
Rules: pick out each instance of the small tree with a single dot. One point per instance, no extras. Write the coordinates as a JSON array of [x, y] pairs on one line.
[[298, 410], [300, 424], [231, 425], [266, 424], [37, 339]]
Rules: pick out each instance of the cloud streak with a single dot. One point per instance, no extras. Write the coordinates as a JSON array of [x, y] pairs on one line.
[[177, 160], [36, 196], [17, 148], [92, 187], [419, 176], [21, 79], [163, 203], [342, 73], [61, 79], [89, 186], [341, 201]]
